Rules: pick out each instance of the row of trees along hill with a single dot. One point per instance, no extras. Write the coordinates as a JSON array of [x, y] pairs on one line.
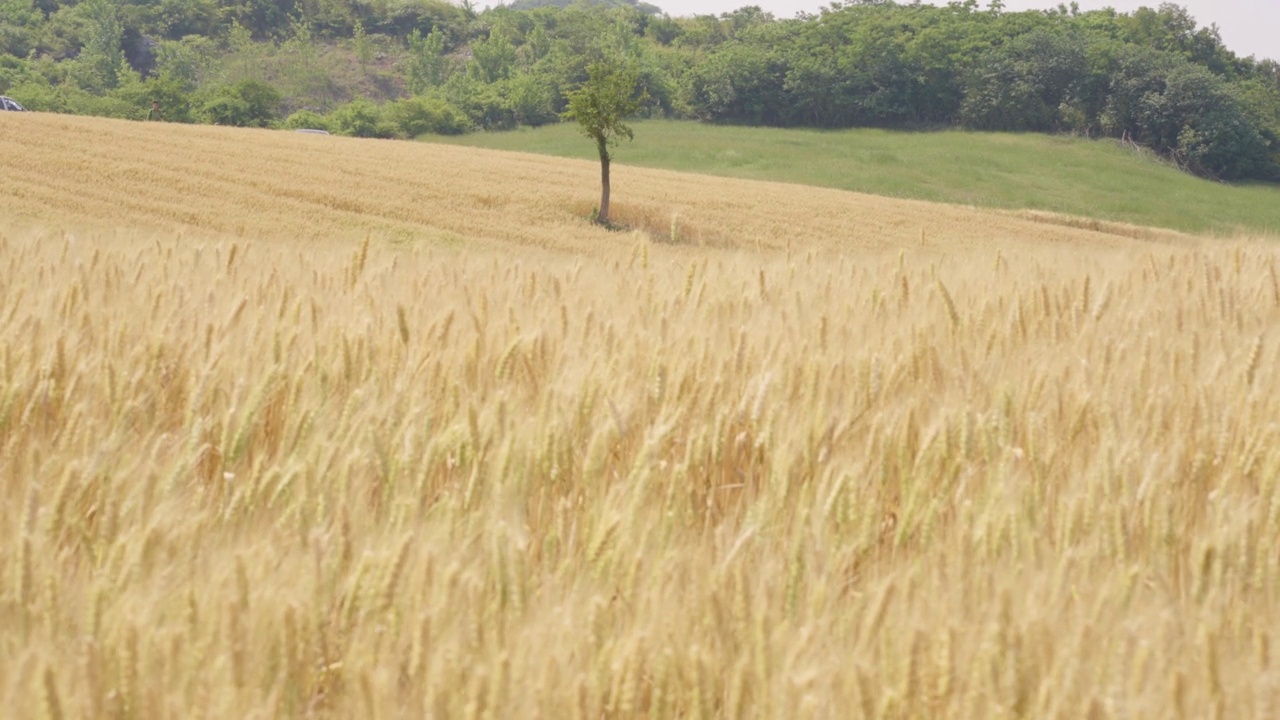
[[400, 68]]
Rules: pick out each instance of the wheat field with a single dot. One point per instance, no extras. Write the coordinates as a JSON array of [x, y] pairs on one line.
[[447, 450]]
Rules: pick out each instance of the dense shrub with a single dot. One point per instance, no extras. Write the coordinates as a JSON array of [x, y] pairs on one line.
[[174, 96], [412, 117], [1026, 84], [307, 119], [359, 118], [67, 98], [485, 104], [248, 103], [1181, 109], [405, 118]]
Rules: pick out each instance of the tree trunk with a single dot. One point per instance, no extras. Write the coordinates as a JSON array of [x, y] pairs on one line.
[[602, 217]]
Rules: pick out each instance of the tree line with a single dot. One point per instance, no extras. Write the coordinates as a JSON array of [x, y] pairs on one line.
[[402, 68]]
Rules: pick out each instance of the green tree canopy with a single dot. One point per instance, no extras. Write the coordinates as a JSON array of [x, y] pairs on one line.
[[611, 94]]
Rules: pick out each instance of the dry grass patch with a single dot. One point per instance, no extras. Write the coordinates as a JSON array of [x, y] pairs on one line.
[[657, 225], [1126, 230], [327, 480]]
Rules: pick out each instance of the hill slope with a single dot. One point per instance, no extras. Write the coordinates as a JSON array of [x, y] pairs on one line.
[[1056, 174], [270, 184]]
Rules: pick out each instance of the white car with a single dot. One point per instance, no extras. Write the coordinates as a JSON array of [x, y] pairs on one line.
[[8, 103]]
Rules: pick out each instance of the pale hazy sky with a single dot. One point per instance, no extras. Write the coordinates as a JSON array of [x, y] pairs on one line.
[[1248, 27]]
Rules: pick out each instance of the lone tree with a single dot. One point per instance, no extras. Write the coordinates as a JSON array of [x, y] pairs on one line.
[[611, 93]]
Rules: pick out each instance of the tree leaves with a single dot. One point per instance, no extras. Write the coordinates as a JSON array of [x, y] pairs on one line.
[[610, 95]]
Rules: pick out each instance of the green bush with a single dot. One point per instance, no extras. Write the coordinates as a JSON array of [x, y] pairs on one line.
[[360, 118], [12, 71], [412, 117], [532, 99], [248, 103], [69, 99], [19, 39], [1028, 83], [1185, 111], [486, 104], [174, 96], [307, 120]]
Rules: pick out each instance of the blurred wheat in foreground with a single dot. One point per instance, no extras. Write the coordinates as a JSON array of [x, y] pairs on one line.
[[262, 481]]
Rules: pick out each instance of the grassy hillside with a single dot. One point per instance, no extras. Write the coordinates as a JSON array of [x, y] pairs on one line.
[[276, 184], [1058, 174], [298, 426]]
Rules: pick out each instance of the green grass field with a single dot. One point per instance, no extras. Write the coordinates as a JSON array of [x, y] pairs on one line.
[[1060, 174]]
